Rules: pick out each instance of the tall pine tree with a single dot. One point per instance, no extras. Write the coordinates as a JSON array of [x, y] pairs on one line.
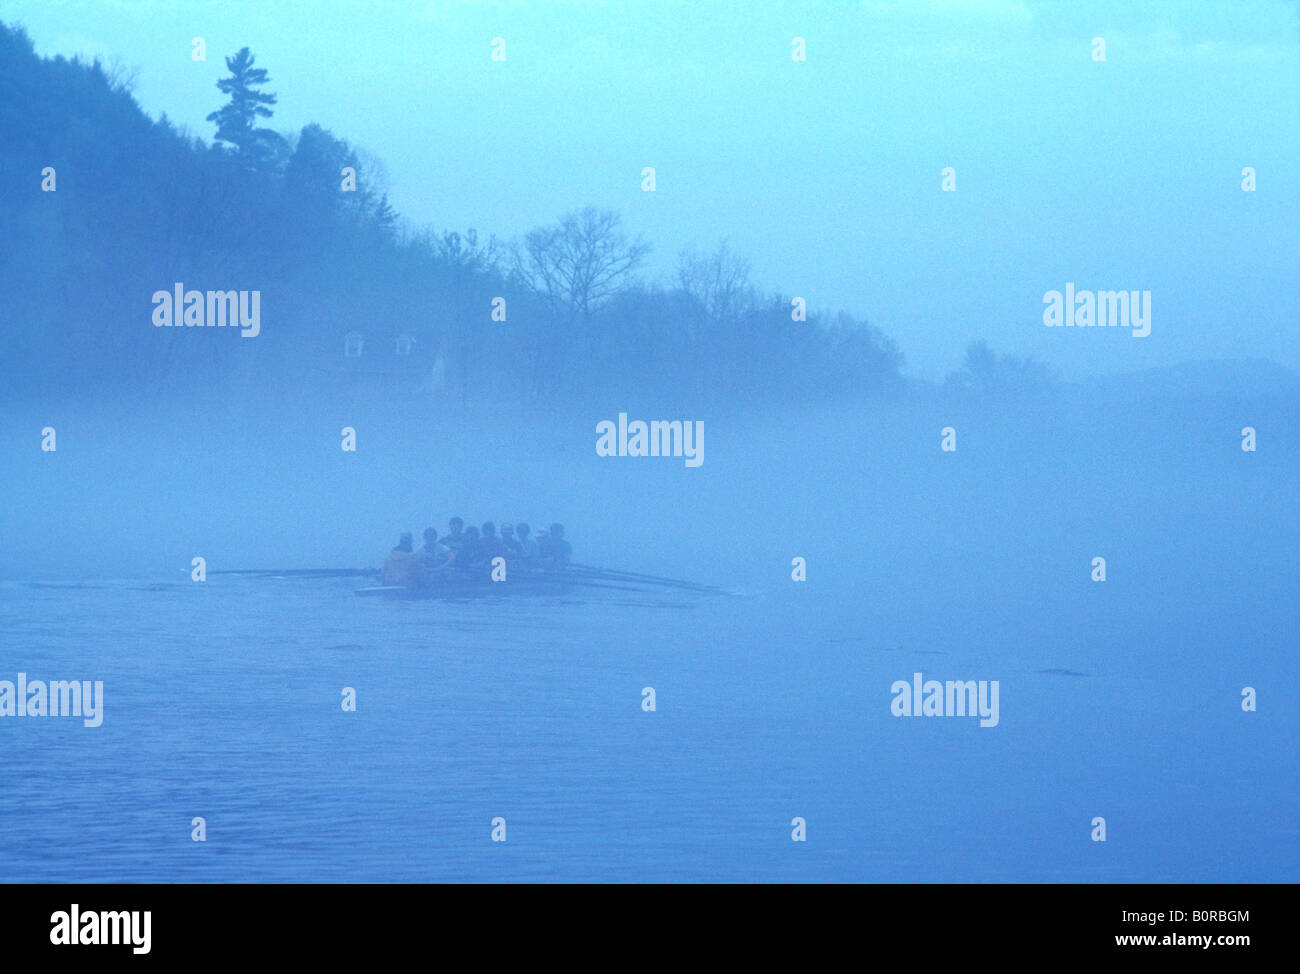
[[259, 148]]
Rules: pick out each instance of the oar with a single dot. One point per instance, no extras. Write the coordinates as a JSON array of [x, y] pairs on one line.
[[570, 578], [301, 572], [582, 581], [614, 575], [644, 580]]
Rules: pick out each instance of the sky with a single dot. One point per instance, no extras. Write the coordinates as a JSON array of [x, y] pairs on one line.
[[826, 174]]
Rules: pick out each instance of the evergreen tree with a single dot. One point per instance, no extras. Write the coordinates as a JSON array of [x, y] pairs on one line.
[[237, 120]]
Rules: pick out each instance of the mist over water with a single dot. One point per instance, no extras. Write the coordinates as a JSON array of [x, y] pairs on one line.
[[1118, 698], [916, 489]]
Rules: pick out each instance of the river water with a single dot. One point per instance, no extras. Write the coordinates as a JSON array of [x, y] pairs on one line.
[[1118, 700], [224, 700]]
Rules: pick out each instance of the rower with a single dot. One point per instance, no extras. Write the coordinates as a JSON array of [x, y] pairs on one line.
[[510, 541], [561, 550], [527, 543], [456, 539], [401, 567], [492, 546], [435, 556], [554, 548], [471, 550]]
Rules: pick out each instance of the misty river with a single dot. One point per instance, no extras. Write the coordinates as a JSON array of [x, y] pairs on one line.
[[772, 702]]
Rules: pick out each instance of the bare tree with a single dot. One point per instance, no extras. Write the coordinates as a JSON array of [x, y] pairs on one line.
[[579, 262], [121, 76], [464, 252], [718, 281]]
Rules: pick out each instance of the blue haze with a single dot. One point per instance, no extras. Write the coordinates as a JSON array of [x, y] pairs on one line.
[[1119, 699]]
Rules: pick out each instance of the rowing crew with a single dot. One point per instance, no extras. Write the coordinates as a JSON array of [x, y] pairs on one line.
[[468, 548]]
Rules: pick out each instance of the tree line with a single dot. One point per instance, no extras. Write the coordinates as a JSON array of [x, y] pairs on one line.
[[142, 203]]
